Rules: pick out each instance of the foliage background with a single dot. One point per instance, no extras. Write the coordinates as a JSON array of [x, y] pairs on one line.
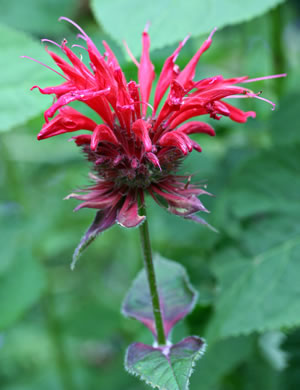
[[63, 330]]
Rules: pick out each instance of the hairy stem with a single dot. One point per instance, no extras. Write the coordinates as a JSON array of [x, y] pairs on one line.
[[148, 261]]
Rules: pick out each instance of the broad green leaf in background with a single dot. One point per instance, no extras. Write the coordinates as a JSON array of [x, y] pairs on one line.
[[172, 20], [265, 296], [20, 287], [167, 368], [271, 347], [177, 296], [270, 231], [284, 121], [221, 358], [17, 103], [268, 183], [291, 377], [33, 18]]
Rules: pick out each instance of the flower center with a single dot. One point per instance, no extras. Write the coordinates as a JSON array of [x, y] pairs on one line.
[[112, 164]]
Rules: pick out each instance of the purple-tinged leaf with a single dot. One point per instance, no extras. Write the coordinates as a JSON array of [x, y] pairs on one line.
[[165, 368], [104, 219], [177, 296]]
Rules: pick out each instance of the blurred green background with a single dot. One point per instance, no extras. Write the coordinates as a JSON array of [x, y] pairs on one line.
[[63, 330]]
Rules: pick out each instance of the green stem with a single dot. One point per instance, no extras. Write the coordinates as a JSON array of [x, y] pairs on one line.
[[149, 267], [55, 333]]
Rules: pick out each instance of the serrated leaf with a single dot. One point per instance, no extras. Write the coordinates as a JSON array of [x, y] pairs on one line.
[[172, 20], [20, 287], [265, 296], [18, 103], [177, 296], [165, 368]]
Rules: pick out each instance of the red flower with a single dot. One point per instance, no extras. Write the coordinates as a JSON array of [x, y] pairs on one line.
[[132, 152]]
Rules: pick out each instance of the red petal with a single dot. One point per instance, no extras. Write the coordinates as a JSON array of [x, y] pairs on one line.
[[128, 215], [82, 139], [167, 74], [134, 94], [206, 96], [80, 95], [109, 200], [103, 133], [103, 73], [154, 159], [174, 139], [173, 102], [221, 108], [125, 106], [66, 121], [146, 73], [196, 146], [57, 90], [72, 73], [196, 127], [183, 116], [78, 64], [141, 130], [188, 73], [238, 115], [111, 58]]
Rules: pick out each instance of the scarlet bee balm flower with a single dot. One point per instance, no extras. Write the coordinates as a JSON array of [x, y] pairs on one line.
[[132, 152]]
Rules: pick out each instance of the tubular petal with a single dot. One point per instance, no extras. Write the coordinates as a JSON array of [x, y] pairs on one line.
[[68, 120], [238, 115], [197, 127], [103, 133], [82, 139], [141, 130], [188, 73], [128, 215], [145, 72], [167, 74]]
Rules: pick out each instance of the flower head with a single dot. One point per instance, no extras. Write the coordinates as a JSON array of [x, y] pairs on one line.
[[134, 147]]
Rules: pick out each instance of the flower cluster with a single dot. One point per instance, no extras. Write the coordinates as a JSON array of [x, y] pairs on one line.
[[137, 148]]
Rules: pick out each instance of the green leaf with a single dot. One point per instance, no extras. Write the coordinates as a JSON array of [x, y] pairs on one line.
[[271, 347], [283, 121], [291, 375], [264, 296], [259, 374], [177, 297], [165, 368], [172, 20], [270, 231], [18, 104], [220, 359], [267, 183], [20, 287], [37, 16]]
